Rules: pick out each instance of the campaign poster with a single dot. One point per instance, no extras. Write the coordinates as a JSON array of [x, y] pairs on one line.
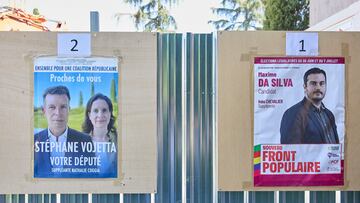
[[75, 117], [299, 121]]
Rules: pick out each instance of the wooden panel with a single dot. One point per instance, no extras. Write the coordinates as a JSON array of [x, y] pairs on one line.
[[236, 51], [136, 120]]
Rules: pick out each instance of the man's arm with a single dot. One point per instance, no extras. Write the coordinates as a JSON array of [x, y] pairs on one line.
[[333, 125], [291, 128]]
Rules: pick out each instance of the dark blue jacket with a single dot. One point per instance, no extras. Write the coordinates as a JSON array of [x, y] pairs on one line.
[[42, 164], [299, 125]]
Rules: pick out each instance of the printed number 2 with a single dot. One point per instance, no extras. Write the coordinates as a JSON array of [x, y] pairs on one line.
[[75, 44], [302, 46]]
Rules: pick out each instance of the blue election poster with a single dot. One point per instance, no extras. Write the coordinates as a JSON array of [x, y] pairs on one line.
[[75, 117]]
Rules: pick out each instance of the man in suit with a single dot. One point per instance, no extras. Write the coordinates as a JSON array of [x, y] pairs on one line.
[[59, 150], [309, 121]]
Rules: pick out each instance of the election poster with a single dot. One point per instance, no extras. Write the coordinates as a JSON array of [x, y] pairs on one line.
[[299, 121], [75, 117]]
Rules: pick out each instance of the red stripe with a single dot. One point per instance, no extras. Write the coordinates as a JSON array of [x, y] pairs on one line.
[[256, 154], [300, 180]]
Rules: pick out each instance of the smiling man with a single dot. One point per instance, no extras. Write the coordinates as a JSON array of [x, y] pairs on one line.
[[309, 121], [58, 148]]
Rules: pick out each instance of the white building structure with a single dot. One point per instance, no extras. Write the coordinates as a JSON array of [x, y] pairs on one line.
[[334, 15]]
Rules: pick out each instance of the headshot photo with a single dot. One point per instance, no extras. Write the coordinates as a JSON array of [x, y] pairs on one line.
[[56, 109], [310, 121], [99, 123]]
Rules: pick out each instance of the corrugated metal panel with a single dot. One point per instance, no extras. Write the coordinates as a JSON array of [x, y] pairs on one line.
[[231, 197], [199, 107], [42, 198], [322, 197], [261, 197], [105, 198], [134, 198], [293, 197], [169, 118], [350, 197], [78, 198], [199, 118], [15, 198]]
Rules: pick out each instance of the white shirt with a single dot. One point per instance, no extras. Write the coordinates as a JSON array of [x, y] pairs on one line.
[[57, 140]]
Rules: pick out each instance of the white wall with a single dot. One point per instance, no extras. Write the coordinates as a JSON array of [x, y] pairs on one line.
[[347, 19]]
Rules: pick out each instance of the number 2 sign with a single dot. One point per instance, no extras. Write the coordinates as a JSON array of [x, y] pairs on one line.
[[302, 43], [74, 44]]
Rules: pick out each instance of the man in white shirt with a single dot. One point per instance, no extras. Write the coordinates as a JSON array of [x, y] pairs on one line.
[[59, 150]]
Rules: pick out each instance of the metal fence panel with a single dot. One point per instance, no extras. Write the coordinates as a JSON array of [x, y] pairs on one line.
[[42, 198], [261, 197], [14, 198], [135, 198], [291, 197], [100, 198], [199, 107], [322, 197], [231, 197], [350, 197], [71, 198], [169, 118]]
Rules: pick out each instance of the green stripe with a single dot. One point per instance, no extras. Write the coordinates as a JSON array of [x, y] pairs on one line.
[[257, 148]]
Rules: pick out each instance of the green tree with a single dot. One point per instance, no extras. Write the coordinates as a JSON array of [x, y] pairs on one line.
[[238, 15], [153, 16], [36, 11], [92, 89], [286, 14], [81, 99], [113, 91]]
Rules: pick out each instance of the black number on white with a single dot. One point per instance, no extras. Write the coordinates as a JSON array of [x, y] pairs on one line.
[[75, 44], [302, 46]]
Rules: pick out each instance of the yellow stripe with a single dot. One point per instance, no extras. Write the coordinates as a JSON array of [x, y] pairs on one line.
[[257, 160]]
